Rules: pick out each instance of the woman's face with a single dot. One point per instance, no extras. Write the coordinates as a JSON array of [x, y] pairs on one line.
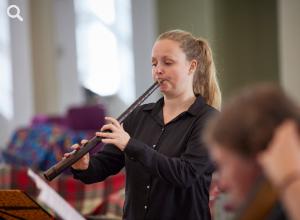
[[171, 68], [236, 174]]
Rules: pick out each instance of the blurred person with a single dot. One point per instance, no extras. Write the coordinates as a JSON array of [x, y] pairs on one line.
[[168, 169], [237, 140], [281, 163]]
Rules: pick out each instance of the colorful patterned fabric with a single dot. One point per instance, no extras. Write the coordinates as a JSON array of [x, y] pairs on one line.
[[87, 199], [41, 146]]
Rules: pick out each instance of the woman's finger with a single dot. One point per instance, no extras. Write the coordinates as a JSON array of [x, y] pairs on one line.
[[122, 126], [66, 155], [106, 135], [109, 141], [113, 121], [75, 146], [84, 141], [110, 127]]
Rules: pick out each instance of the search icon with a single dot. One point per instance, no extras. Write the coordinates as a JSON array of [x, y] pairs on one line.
[[16, 14]]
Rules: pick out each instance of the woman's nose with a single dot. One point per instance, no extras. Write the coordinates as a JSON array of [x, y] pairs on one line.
[[222, 184], [158, 70]]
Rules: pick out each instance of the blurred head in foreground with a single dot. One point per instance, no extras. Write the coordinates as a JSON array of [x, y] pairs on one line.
[[241, 131]]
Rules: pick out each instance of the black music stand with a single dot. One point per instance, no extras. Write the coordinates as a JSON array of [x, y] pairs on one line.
[[16, 204]]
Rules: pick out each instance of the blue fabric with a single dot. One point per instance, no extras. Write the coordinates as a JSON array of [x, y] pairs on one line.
[[41, 146]]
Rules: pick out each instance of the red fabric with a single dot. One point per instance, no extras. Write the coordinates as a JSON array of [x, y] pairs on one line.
[[84, 198]]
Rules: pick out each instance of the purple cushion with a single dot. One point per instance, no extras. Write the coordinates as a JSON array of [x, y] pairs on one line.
[[86, 117]]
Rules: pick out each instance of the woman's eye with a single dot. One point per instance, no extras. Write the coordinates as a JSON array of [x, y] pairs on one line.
[[154, 64]]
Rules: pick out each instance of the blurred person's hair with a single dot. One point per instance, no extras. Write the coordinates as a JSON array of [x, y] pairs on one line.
[[247, 122], [205, 81]]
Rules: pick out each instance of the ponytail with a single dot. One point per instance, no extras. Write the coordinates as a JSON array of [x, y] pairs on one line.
[[205, 81]]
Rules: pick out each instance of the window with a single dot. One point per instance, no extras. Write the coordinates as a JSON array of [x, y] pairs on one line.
[[6, 98], [104, 47]]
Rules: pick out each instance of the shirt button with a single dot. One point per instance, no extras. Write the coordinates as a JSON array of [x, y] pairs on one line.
[[162, 129], [154, 145], [145, 207], [148, 187]]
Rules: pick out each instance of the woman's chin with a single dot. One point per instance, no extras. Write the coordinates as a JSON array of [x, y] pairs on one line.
[[163, 88]]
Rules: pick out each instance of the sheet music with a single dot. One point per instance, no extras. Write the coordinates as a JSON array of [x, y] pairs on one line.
[[53, 200]]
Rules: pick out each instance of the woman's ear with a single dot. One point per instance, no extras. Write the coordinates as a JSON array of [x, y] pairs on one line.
[[193, 66]]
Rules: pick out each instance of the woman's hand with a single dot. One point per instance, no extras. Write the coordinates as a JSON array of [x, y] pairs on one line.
[[118, 136], [82, 163], [282, 157]]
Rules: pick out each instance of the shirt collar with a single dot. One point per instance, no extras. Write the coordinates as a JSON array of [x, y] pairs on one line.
[[197, 105], [193, 109]]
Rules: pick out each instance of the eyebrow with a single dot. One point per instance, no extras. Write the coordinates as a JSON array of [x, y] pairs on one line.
[[164, 57]]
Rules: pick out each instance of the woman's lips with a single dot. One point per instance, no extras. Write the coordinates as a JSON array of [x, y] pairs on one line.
[[161, 81]]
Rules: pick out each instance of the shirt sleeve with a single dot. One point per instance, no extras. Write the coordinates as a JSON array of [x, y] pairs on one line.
[[182, 171], [106, 162]]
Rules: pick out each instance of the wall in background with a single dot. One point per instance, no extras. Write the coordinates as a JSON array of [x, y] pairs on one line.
[[289, 47], [144, 24], [21, 70], [55, 75], [247, 43]]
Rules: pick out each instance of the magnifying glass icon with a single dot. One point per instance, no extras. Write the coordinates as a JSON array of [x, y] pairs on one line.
[[15, 9]]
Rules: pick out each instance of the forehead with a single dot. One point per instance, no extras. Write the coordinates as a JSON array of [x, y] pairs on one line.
[[221, 154], [166, 47], [228, 159]]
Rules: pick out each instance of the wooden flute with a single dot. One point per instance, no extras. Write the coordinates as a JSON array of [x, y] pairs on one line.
[[64, 164]]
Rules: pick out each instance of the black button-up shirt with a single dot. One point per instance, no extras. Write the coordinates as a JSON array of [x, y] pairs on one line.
[[168, 170]]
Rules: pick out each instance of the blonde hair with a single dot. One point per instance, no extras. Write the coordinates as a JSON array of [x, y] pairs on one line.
[[205, 81]]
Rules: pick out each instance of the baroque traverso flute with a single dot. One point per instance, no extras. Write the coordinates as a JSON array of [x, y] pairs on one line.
[[64, 164]]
